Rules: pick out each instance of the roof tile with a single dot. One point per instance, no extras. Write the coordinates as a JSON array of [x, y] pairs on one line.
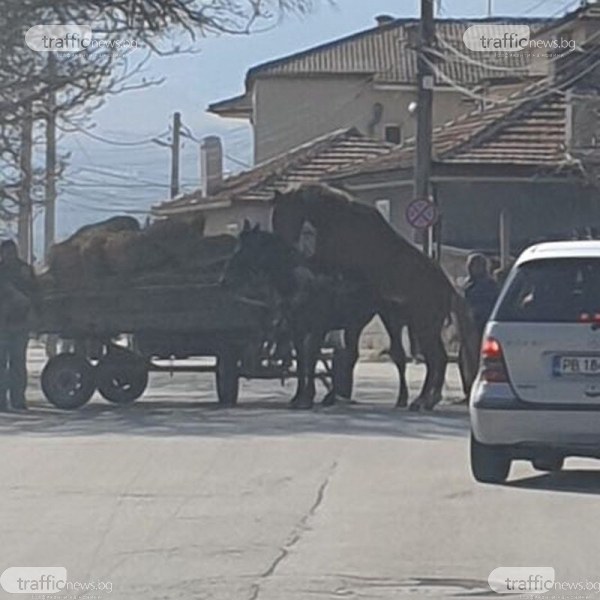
[[314, 161]]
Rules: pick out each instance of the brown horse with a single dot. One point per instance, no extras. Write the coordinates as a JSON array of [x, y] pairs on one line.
[[354, 236]]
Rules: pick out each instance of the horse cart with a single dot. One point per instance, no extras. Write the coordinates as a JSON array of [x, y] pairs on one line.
[[116, 337]]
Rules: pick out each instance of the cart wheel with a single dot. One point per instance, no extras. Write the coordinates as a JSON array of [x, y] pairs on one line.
[[228, 379], [68, 381], [121, 380]]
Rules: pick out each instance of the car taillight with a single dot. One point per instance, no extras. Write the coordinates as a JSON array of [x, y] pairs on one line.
[[585, 317], [493, 369]]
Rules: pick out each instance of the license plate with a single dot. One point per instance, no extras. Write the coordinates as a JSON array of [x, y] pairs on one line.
[[576, 365]]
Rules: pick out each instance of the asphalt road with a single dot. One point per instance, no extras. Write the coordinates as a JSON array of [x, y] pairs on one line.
[[173, 498]]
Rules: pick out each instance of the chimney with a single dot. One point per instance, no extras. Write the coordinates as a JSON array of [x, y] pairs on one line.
[[383, 20], [211, 164]]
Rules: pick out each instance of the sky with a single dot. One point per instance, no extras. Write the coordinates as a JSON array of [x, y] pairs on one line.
[[105, 179]]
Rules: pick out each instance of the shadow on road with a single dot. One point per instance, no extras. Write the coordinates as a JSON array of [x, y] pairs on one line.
[[576, 480], [163, 418]]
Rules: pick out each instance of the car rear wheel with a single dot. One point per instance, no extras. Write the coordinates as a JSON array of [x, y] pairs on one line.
[[489, 464], [548, 463]]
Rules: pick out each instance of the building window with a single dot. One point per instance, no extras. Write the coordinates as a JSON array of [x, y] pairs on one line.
[[384, 207], [393, 134]]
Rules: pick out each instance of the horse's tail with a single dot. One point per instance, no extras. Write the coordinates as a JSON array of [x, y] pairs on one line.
[[469, 340]]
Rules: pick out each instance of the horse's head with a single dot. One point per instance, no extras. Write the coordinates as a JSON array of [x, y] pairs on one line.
[[288, 215], [259, 256]]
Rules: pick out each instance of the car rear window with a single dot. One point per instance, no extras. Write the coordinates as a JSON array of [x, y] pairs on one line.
[[552, 290]]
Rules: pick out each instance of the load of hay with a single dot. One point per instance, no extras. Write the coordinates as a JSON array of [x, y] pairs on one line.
[[119, 252]]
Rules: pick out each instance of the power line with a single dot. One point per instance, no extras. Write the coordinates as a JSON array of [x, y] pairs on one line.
[[117, 175], [106, 140], [187, 133], [543, 84]]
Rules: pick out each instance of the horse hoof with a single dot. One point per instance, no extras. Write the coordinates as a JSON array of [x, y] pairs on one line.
[[415, 406], [301, 404], [402, 403], [431, 404], [329, 400]]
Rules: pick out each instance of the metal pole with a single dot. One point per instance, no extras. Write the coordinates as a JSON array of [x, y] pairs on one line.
[[24, 217], [505, 238], [50, 205], [175, 154], [425, 82]]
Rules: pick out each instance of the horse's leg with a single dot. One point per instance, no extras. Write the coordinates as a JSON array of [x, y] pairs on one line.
[[424, 337], [300, 369], [344, 362], [436, 359], [394, 326], [420, 400], [441, 360], [311, 346], [338, 374], [399, 357]]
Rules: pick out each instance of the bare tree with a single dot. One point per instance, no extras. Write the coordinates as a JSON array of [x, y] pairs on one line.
[[82, 79]]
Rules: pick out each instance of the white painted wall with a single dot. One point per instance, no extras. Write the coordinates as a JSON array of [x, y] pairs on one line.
[[290, 111]]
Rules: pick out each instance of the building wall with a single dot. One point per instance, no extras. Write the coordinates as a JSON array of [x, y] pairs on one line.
[[471, 211], [290, 111], [399, 196]]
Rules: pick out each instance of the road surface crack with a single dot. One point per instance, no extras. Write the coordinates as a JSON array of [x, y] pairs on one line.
[[298, 531]]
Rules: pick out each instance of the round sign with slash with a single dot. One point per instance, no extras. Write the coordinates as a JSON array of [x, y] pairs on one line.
[[421, 213]]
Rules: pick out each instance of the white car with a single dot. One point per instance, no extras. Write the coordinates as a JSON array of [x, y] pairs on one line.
[[537, 394]]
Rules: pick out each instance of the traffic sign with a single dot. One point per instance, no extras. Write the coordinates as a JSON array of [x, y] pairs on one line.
[[421, 213]]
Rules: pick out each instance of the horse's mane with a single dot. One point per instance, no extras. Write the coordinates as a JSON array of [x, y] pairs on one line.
[[326, 194], [321, 196], [325, 199]]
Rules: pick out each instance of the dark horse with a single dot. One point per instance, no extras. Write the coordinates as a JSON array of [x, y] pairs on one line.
[[351, 235], [312, 304]]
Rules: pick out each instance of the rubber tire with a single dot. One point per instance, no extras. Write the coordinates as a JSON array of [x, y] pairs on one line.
[[227, 379], [489, 464], [74, 366], [549, 464], [131, 372]]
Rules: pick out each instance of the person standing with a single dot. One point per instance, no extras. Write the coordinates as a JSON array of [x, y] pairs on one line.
[[481, 291], [19, 299]]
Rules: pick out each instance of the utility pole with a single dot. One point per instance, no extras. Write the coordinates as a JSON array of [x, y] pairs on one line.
[[50, 204], [173, 146], [425, 82], [25, 164], [175, 154], [490, 10]]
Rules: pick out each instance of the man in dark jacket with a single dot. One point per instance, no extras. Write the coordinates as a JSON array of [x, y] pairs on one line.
[[19, 298], [481, 291]]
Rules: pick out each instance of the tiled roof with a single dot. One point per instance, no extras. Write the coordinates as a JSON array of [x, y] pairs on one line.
[[313, 161], [528, 128], [535, 135], [387, 52], [589, 10], [527, 133]]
